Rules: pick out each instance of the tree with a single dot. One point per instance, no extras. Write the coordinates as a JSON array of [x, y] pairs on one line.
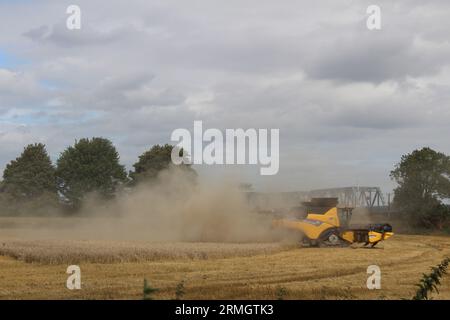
[[91, 165], [153, 161], [423, 182], [31, 175]]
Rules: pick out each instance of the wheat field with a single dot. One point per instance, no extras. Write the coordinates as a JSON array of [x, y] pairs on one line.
[[36, 270], [75, 252]]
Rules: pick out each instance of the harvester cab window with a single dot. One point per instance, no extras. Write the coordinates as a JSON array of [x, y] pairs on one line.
[[345, 215]]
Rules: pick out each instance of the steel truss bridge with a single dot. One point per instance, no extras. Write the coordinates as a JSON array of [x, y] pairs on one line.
[[363, 197], [367, 197]]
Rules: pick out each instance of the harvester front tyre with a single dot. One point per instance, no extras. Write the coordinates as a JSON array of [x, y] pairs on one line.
[[331, 238]]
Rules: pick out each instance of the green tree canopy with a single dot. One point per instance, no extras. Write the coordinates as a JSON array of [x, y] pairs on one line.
[[31, 175], [423, 182], [155, 160], [90, 165]]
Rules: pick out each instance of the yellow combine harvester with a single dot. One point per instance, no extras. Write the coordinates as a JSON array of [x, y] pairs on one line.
[[328, 225]]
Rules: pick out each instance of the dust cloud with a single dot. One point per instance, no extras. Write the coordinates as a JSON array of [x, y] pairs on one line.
[[172, 208], [361, 216]]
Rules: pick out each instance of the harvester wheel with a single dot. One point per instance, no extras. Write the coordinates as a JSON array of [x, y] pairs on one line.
[[330, 238]]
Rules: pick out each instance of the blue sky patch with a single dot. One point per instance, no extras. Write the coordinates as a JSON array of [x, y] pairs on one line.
[[9, 61]]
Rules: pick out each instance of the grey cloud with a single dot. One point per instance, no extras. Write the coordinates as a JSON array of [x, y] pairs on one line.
[[376, 57], [39, 33], [339, 94], [60, 35]]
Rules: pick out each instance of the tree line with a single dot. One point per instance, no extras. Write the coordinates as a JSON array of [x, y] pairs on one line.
[[93, 165], [90, 165]]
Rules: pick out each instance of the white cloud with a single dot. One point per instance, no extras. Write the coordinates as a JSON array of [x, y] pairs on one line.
[[348, 101]]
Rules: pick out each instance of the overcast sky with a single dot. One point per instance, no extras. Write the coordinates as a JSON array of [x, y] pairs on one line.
[[348, 101]]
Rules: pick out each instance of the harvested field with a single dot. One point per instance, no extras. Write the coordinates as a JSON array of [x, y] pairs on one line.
[[230, 271]]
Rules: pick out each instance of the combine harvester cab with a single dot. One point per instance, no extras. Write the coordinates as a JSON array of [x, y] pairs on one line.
[[328, 225]]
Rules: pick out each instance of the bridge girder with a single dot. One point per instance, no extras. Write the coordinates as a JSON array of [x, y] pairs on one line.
[[367, 197]]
